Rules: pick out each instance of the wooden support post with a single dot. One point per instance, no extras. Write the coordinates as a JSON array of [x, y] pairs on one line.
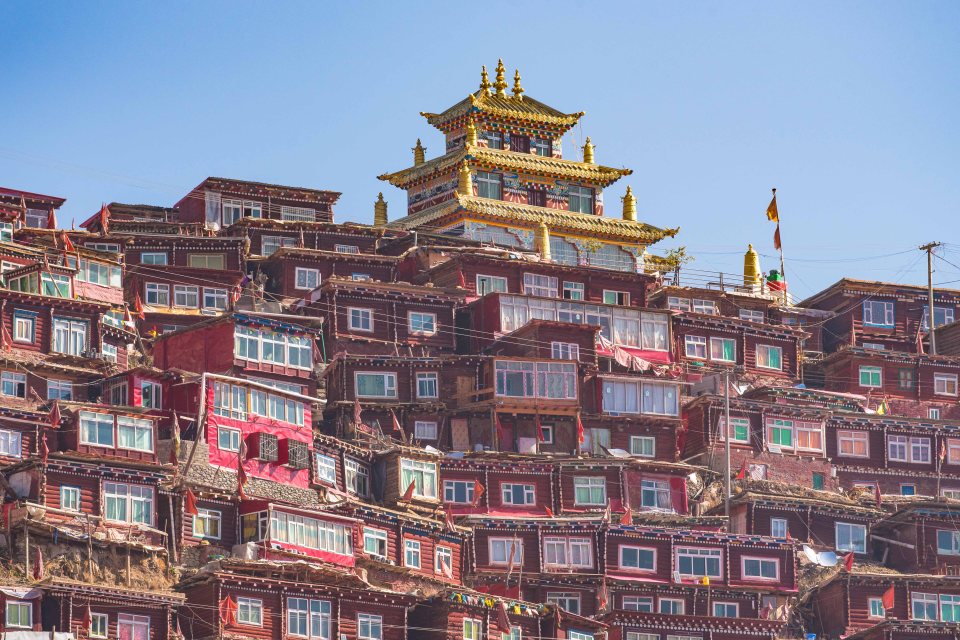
[[26, 550]]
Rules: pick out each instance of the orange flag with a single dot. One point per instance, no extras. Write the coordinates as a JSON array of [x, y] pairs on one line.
[[408, 494], [772, 214]]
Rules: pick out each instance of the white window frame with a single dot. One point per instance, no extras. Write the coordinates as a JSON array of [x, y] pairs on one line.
[[378, 536], [186, 296], [362, 317], [695, 347], [70, 498], [764, 362], [207, 516], [753, 315], [565, 351], [850, 545], [945, 384], [412, 551], [722, 341], [761, 562], [308, 275], [698, 552], [369, 627], [156, 294], [493, 280], [871, 371], [590, 485], [508, 547], [639, 445], [507, 494], [428, 377], [425, 430], [250, 612], [847, 441], [422, 315], [779, 528], [627, 567], [389, 384]]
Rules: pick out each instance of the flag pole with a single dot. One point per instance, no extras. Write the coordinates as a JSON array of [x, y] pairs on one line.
[[783, 271]]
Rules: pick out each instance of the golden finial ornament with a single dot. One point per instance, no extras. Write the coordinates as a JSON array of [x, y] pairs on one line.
[[751, 268], [471, 139], [484, 80], [629, 206], [465, 185], [588, 152], [419, 154], [517, 89], [500, 84], [380, 211]]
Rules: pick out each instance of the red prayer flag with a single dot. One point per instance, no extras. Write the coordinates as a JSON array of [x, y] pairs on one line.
[[448, 520], [190, 503], [742, 474], [776, 238], [848, 561], [549, 511], [52, 219], [228, 611], [602, 597], [503, 620], [627, 517], [580, 436], [876, 494], [397, 428], [478, 492], [540, 437], [38, 565], [44, 449], [461, 279], [87, 619], [357, 412], [67, 244], [408, 494], [138, 306], [104, 217], [943, 450], [55, 414], [887, 599], [446, 569]]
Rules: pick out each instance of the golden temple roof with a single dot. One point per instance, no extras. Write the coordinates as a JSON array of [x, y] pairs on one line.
[[505, 106], [525, 215], [527, 163]]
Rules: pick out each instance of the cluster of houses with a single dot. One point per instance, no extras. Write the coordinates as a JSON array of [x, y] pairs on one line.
[[496, 417]]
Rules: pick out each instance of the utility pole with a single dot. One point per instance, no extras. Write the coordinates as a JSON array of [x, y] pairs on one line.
[[929, 247], [726, 439]]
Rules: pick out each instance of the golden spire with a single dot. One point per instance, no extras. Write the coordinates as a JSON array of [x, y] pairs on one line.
[[588, 151], [471, 133], [629, 206], [380, 211], [484, 80], [419, 153], [465, 186], [542, 240], [517, 89], [751, 268], [500, 85]]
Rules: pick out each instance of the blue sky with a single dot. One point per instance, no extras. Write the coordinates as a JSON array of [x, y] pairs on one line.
[[850, 109]]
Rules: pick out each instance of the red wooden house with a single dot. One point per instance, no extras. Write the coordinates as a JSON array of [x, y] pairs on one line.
[[28, 209], [293, 273], [880, 315], [920, 537], [274, 601], [421, 546], [225, 201], [823, 519], [104, 611], [282, 532], [469, 614], [384, 318], [847, 603], [512, 485], [768, 441], [22, 608], [706, 343], [248, 345]]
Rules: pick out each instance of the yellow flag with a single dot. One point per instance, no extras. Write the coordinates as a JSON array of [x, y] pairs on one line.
[[883, 409], [772, 214]]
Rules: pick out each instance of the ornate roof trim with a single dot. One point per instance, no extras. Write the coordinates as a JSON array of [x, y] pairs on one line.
[[526, 215], [505, 107], [528, 163]]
